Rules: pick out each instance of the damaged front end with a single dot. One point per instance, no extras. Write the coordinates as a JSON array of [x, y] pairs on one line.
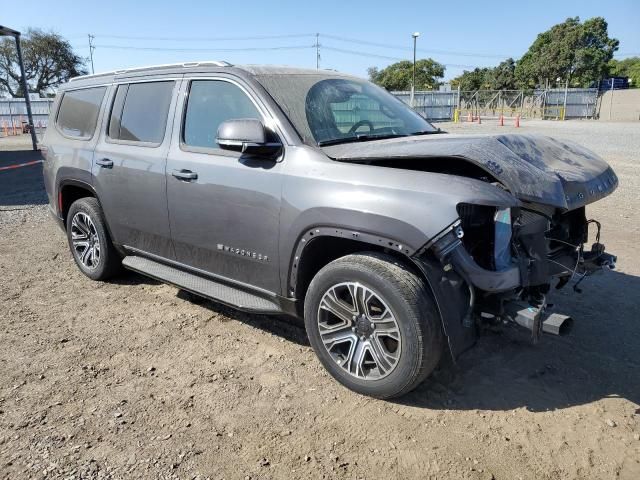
[[500, 263]]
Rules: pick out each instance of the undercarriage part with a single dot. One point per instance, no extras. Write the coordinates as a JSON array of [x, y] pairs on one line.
[[451, 252], [536, 319], [455, 300], [487, 280], [530, 233]]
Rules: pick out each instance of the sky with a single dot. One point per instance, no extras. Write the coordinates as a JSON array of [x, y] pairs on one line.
[[354, 35]]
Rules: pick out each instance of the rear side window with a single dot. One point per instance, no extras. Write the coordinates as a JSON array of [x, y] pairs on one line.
[[78, 113], [210, 103], [139, 112]]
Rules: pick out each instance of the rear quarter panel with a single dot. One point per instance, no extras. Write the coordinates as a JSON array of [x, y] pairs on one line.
[[68, 159]]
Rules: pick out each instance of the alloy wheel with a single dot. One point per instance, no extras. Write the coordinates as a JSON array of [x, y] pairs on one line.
[[85, 240], [359, 331]]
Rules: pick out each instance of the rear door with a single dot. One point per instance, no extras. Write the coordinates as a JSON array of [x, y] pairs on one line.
[[225, 219], [129, 164]]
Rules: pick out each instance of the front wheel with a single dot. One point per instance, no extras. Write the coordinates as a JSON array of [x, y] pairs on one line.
[[373, 324], [89, 240]]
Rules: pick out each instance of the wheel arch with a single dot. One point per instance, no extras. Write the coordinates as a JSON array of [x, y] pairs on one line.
[[69, 191], [321, 245]]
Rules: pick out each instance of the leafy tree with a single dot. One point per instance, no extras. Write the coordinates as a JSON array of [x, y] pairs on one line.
[[399, 75], [629, 67], [48, 59], [503, 77], [573, 51], [470, 80]]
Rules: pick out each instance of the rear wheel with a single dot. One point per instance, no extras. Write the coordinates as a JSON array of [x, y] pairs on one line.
[[373, 324], [89, 240]]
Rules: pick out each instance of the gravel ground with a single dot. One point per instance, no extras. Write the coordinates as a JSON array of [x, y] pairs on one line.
[[134, 379]]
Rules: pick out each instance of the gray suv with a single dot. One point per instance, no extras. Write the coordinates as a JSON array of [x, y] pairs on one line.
[[322, 196]]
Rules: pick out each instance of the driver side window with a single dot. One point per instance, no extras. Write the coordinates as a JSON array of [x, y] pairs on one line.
[[210, 103]]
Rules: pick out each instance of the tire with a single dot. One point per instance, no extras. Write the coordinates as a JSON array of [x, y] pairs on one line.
[[370, 355], [103, 262]]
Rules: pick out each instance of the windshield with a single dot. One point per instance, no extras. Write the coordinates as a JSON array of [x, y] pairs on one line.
[[330, 110]]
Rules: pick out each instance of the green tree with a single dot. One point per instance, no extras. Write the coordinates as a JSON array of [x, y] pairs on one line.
[[399, 75], [573, 51], [503, 77], [629, 67], [48, 59], [470, 80]]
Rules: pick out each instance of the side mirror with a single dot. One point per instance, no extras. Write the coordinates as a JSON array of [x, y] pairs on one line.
[[246, 135]]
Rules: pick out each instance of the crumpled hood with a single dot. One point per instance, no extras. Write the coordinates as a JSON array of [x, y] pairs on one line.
[[534, 168]]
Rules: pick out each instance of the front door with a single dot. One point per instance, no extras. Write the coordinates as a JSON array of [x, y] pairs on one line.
[[129, 165], [223, 207]]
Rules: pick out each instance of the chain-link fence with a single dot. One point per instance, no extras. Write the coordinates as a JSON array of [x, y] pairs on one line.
[[550, 104], [558, 104]]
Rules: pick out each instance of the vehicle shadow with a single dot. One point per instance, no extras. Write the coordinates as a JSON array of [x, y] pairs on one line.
[[129, 277], [283, 326], [24, 185], [600, 357]]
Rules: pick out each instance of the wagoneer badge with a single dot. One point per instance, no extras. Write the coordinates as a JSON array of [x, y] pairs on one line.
[[243, 253]]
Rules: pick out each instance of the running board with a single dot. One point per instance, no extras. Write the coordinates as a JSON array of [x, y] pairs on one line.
[[219, 292]]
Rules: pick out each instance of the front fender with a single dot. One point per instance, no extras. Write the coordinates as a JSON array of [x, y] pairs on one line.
[[400, 207]]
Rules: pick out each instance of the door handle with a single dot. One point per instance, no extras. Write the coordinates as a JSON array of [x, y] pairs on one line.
[[105, 162], [184, 174]]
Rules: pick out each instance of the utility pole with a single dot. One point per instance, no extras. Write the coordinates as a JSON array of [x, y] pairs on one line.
[[317, 45], [91, 48], [413, 82]]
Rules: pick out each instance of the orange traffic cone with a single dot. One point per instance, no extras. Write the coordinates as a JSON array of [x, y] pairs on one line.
[[517, 121], [501, 121]]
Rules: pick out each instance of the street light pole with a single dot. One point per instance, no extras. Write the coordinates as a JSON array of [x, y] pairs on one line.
[[5, 31], [413, 82]]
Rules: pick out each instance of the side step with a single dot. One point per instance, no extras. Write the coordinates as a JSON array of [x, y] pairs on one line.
[[231, 296]]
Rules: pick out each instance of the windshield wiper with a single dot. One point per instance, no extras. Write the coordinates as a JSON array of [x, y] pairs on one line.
[[359, 138], [426, 132]]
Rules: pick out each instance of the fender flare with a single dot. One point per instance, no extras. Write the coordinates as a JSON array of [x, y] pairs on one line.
[[338, 232]]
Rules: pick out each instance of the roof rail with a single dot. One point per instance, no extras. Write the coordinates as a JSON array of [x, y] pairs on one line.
[[213, 63]]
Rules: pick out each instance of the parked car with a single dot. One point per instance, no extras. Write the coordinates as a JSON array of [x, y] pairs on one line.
[[322, 196]]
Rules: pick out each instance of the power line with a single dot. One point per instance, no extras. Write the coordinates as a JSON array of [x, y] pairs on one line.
[[400, 47], [207, 39], [304, 35], [385, 57], [231, 49]]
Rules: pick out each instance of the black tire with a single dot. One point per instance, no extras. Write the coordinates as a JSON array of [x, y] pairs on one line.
[[108, 262], [410, 302]]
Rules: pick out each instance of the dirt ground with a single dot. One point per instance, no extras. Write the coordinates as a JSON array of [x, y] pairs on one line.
[[132, 379]]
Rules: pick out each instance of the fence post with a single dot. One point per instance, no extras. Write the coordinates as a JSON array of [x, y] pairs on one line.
[[566, 92], [611, 99]]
